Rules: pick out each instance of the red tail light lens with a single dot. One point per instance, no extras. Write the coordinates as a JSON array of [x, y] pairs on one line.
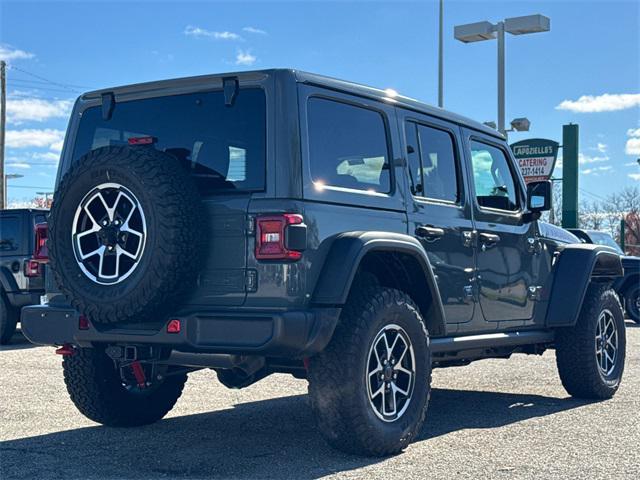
[[270, 237], [41, 252], [174, 326], [142, 140], [83, 323], [31, 268]]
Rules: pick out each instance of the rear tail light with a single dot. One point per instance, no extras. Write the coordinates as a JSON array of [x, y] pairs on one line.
[[41, 252], [31, 268], [83, 322], [271, 237]]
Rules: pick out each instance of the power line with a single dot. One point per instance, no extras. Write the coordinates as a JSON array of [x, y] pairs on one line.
[[28, 186], [65, 85]]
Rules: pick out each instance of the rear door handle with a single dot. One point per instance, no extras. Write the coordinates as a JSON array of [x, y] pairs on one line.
[[430, 233], [489, 238]]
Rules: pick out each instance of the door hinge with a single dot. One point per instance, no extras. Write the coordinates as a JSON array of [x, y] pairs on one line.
[[251, 281], [250, 226]]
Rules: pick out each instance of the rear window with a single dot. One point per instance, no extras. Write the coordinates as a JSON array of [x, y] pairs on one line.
[[224, 147], [10, 235]]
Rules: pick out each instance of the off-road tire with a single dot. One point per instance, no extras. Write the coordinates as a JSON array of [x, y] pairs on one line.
[[8, 320], [337, 385], [96, 389], [168, 266], [576, 347], [631, 302]]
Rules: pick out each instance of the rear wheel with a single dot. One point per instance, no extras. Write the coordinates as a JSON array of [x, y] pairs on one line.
[[111, 396], [591, 355], [370, 388], [632, 303], [8, 320]]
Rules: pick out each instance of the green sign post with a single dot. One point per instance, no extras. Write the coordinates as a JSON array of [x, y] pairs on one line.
[[536, 158], [570, 151]]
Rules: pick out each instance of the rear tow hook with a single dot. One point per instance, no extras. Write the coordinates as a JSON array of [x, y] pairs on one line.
[[66, 350], [138, 372]]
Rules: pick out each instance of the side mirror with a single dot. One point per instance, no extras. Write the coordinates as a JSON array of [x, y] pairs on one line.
[[539, 196]]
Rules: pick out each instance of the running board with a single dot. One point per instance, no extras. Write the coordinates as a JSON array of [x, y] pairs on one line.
[[490, 340]]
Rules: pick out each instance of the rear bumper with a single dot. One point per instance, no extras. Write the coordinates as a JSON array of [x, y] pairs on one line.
[[21, 299], [283, 334]]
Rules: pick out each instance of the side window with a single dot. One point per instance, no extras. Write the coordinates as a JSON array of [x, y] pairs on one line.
[[432, 163], [348, 146], [492, 177]]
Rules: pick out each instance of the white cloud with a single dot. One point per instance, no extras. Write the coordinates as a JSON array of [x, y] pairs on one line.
[[596, 170], [192, 31], [634, 176], [584, 159], [633, 146], [601, 147], [32, 137], [57, 146], [601, 103], [9, 53], [36, 109], [245, 58], [18, 165], [633, 132], [254, 30], [50, 156]]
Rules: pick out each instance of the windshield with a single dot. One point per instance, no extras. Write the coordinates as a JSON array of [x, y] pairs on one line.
[[605, 239], [222, 146]]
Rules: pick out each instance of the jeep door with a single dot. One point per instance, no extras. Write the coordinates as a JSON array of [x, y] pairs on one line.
[[438, 209], [507, 258]]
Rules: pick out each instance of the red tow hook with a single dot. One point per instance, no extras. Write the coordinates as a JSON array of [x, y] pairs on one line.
[[138, 372], [65, 350]]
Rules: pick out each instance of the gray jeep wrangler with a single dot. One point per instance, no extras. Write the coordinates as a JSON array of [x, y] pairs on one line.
[[280, 221]]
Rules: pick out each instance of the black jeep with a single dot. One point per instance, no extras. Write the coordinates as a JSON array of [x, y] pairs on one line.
[[22, 258], [279, 221]]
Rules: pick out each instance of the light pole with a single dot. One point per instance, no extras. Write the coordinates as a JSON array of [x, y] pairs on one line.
[[441, 59], [7, 176], [480, 31]]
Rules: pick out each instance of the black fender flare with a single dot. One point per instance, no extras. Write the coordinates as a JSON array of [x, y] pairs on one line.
[[347, 251], [574, 269]]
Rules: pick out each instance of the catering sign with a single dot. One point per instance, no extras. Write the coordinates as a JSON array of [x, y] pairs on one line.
[[536, 158]]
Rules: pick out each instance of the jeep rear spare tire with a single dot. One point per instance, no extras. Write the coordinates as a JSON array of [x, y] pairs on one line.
[[123, 233]]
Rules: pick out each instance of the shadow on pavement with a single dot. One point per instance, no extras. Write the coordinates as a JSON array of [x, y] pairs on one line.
[[18, 342], [264, 439]]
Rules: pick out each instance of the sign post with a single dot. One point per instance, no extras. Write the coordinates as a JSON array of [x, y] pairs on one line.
[[536, 158]]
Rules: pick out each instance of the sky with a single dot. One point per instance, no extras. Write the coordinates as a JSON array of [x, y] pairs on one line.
[[586, 70]]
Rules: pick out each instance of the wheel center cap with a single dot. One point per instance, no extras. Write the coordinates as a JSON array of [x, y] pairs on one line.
[[388, 373], [109, 235]]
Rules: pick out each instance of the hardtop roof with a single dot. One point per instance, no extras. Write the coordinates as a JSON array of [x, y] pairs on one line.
[[308, 78]]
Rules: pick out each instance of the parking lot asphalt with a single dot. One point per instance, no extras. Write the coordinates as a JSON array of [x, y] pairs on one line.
[[492, 419]]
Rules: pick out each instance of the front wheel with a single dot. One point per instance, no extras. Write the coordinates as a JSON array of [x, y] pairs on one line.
[[591, 355], [110, 395], [370, 388], [632, 303]]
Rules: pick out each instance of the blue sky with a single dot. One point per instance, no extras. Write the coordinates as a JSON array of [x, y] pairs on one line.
[[593, 50]]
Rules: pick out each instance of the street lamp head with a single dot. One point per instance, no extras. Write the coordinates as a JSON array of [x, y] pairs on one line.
[[474, 32], [527, 24], [520, 124]]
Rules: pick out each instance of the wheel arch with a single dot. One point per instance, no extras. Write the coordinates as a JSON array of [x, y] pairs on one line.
[[396, 260], [574, 269]]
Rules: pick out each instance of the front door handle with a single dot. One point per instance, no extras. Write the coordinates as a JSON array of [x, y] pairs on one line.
[[430, 233], [489, 239]]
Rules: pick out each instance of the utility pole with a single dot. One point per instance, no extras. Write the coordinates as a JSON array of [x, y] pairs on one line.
[[441, 59], [3, 122], [570, 176]]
